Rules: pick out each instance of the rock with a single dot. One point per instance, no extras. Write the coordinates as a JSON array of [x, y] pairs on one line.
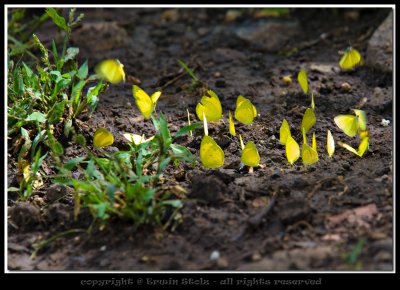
[[299, 259], [346, 87], [95, 37], [271, 34], [208, 188], [380, 47], [56, 192], [25, 215]]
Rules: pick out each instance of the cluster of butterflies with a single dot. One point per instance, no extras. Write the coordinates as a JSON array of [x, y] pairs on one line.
[[209, 109], [351, 125]]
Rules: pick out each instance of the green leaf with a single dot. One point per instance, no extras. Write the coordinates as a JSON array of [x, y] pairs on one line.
[[104, 163], [166, 136], [186, 129], [80, 139], [164, 163], [76, 92], [39, 137], [57, 19], [36, 116], [25, 133], [55, 53], [94, 91], [93, 104], [83, 71], [182, 153], [72, 52], [90, 168], [56, 112], [57, 148], [57, 74], [187, 69], [71, 164], [101, 210], [67, 128], [149, 194], [38, 162], [28, 71], [173, 202]]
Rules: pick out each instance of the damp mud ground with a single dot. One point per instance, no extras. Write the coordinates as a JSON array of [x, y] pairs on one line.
[[334, 215]]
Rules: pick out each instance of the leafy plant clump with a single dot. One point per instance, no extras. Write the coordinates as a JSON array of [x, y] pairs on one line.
[[129, 184], [44, 102]]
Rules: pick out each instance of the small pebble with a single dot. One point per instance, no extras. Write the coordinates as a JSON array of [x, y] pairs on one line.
[[346, 87], [385, 123], [214, 256]]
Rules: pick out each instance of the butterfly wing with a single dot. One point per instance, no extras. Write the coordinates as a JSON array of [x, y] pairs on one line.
[[102, 138], [350, 59], [244, 113], [250, 156], [347, 123], [211, 155], [292, 150], [361, 118], [211, 106], [314, 142], [111, 70], [330, 144], [231, 125], [348, 147], [217, 104], [302, 79], [308, 120], [143, 101], [363, 146], [308, 155], [284, 132]]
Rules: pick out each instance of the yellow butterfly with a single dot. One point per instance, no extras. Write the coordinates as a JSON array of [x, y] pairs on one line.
[[287, 80], [361, 148], [314, 141], [309, 155], [136, 139], [211, 155], [292, 150], [302, 79], [111, 70], [312, 101], [245, 111], [250, 156], [284, 132], [350, 124], [362, 119], [330, 144], [308, 120], [350, 59], [364, 134], [231, 125], [145, 103], [211, 106], [102, 138]]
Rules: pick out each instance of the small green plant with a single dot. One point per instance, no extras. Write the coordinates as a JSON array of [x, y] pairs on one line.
[[352, 257], [128, 184], [43, 103]]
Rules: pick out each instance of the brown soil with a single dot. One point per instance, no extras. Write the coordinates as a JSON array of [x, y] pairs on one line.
[[280, 217]]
